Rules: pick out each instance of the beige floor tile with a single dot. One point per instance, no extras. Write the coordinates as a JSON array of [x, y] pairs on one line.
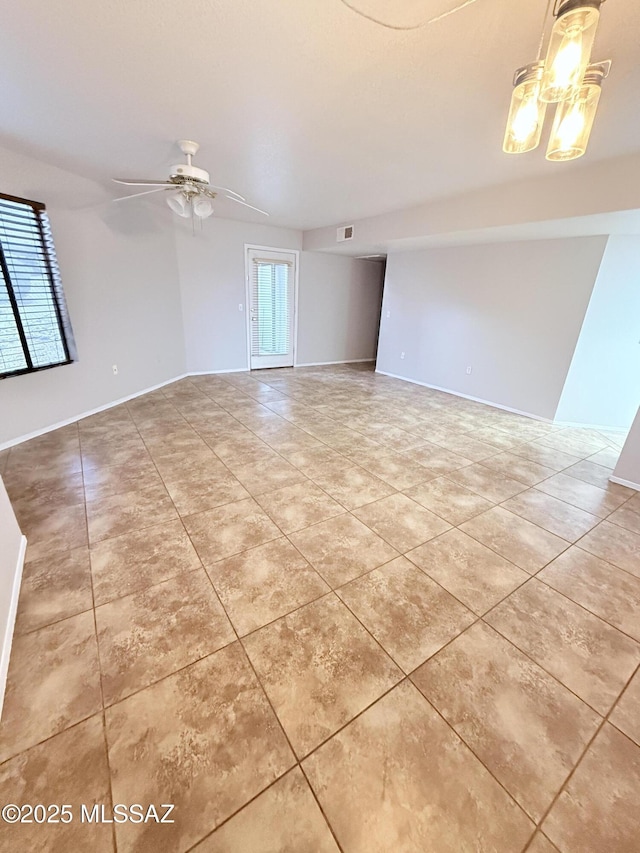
[[104, 482], [354, 487], [518, 540], [608, 457], [541, 844], [525, 727], [598, 810], [626, 518], [145, 636], [476, 575], [54, 588], [449, 500], [210, 743], [258, 477], [586, 654], [285, 817], [53, 682], [410, 615], [342, 548], [134, 561], [573, 442], [401, 522], [626, 714], [609, 592], [438, 459], [69, 768], [492, 485], [318, 461], [597, 475], [468, 446], [616, 545], [296, 507], [265, 583], [394, 468], [319, 668], [36, 493], [499, 438], [399, 779], [590, 498], [203, 493], [229, 530], [106, 453], [54, 530], [552, 514], [129, 511], [518, 468], [547, 456]]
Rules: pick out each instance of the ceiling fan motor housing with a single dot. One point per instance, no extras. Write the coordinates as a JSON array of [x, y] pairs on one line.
[[190, 173]]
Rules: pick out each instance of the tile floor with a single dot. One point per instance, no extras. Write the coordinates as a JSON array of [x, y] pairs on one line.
[[324, 610]]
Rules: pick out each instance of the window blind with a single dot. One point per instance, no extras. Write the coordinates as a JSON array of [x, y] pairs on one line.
[[35, 330], [271, 283]]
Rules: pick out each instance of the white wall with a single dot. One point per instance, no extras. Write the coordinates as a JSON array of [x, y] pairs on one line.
[[11, 557], [338, 309], [338, 298], [627, 470], [512, 311], [212, 281], [603, 384], [120, 276]]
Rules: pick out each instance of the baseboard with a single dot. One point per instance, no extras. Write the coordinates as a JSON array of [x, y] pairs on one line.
[[326, 363], [467, 397], [11, 621], [598, 427], [626, 483], [88, 414], [215, 372]]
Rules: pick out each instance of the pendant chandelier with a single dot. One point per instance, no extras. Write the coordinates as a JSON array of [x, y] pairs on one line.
[[566, 78]]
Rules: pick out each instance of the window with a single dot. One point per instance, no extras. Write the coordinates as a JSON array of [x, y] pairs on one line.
[[35, 332]]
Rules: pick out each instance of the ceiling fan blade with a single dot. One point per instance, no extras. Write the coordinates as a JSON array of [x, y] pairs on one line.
[[142, 183], [135, 195], [244, 204], [227, 190]]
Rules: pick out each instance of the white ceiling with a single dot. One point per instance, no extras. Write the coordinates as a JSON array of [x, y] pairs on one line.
[[310, 111]]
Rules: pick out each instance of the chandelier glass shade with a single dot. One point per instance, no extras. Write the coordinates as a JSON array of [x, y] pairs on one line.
[[574, 118], [565, 78], [526, 115], [569, 51]]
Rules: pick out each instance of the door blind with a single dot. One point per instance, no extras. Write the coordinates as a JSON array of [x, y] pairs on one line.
[[271, 292]]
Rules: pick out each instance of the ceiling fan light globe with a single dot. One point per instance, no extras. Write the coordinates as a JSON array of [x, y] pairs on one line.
[[202, 207], [180, 205]]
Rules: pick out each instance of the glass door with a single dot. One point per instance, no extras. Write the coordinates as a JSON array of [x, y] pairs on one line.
[[271, 308]]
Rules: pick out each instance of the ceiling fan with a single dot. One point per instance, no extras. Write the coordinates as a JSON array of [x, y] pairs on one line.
[[191, 193]]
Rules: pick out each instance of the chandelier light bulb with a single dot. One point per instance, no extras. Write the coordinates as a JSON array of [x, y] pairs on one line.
[[570, 46], [527, 111], [574, 118]]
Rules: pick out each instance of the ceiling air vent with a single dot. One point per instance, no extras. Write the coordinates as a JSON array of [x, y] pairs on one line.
[[344, 233]]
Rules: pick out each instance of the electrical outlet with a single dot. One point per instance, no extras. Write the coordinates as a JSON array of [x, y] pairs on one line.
[[401, 355], [388, 314], [115, 369], [469, 370]]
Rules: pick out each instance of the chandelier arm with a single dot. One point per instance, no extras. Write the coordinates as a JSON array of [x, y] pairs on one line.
[[419, 26]]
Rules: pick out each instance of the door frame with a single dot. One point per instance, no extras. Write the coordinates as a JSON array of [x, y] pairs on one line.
[[247, 297]]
